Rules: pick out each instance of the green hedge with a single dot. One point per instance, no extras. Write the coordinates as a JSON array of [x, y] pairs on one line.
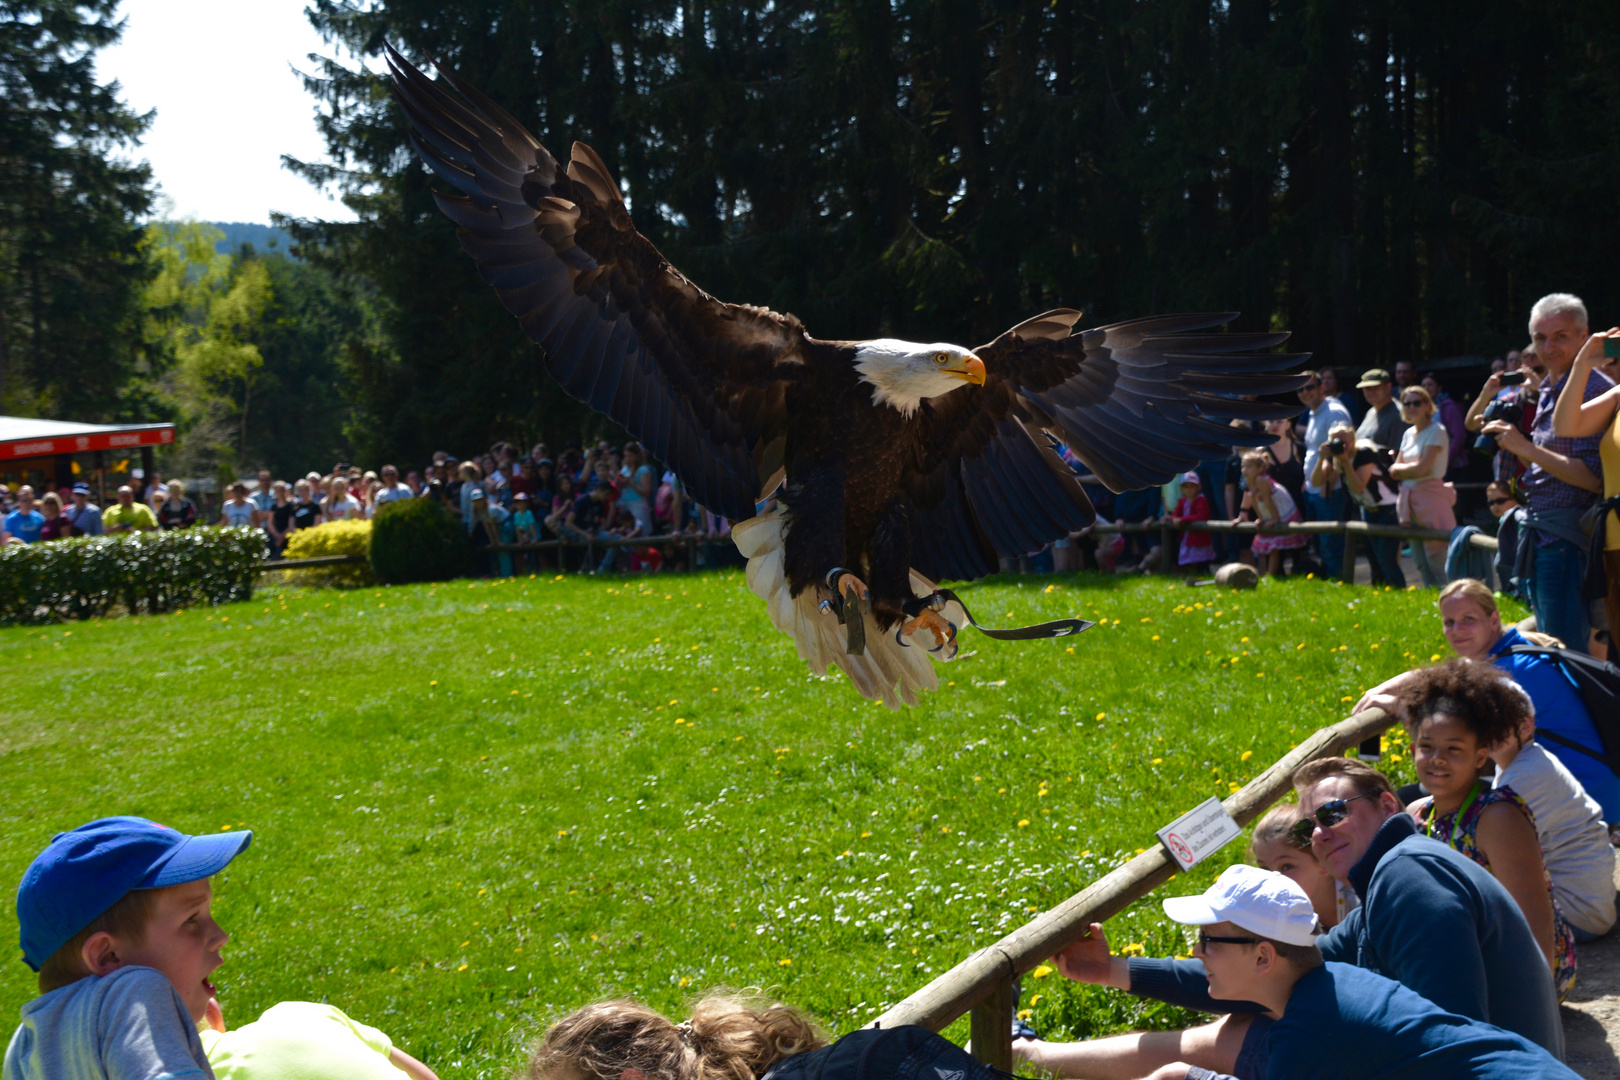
[[138, 572], [418, 540]]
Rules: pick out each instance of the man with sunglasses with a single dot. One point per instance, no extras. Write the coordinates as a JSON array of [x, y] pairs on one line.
[[1323, 504], [1430, 919], [1257, 937]]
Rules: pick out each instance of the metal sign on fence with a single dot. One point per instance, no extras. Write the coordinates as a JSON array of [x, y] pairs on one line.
[[1199, 833]]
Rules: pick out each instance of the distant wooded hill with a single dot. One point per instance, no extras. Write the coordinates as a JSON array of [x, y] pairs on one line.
[[262, 237]]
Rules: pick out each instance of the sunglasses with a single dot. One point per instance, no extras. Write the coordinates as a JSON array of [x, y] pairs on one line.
[[1327, 815], [1412, 402], [1500, 501], [1204, 941], [1310, 386]]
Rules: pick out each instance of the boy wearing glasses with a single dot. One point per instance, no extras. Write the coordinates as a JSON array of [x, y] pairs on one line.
[[1257, 936], [1508, 511], [1430, 918]]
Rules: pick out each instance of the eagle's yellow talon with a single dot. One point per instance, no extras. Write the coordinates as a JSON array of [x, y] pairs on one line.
[[934, 623]]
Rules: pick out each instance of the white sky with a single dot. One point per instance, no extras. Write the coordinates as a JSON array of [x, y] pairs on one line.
[[220, 75]]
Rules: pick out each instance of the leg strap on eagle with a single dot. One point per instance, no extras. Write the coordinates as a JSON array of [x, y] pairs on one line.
[[1055, 629], [850, 608]]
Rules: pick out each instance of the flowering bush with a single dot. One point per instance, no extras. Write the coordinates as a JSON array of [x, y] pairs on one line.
[[149, 571], [333, 538]]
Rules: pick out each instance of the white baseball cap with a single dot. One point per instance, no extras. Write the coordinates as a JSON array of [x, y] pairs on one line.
[[1260, 901]]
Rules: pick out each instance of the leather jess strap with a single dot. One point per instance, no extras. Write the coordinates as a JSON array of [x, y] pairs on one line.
[[1039, 631]]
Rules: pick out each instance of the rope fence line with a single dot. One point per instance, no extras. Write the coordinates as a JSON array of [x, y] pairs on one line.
[[986, 983]]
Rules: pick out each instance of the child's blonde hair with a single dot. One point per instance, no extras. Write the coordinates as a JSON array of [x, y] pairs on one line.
[[731, 1036], [1256, 459], [1277, 827]]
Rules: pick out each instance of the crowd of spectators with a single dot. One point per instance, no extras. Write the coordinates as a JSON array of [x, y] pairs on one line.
[[1392, 452], [503, 497], [1389, 451]]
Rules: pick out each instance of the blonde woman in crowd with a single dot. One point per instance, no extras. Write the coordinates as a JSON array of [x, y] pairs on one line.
[[176, 511], [1425, 499], [340, 505]]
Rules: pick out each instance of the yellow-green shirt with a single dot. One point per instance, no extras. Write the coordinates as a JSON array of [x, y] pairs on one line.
[[136, 515], [300, 1040], [1609, 453]]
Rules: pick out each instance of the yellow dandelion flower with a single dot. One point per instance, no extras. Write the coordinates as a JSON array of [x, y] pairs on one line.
[[1246, 755], [1043, 971], [1022, 822]]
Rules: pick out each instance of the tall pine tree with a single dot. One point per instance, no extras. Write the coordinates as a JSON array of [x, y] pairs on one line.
[[71, 270]]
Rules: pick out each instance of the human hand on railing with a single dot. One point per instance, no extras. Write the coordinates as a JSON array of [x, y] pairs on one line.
[[1386, 695], [1089, 961]]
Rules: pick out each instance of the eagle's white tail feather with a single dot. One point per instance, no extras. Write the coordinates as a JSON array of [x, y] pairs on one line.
[[888, 672]]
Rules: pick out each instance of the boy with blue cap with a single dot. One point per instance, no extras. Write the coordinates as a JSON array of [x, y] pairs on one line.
[[115, 919], [1257, 935]]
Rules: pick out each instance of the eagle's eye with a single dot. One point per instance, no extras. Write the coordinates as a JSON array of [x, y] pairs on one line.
[[942, 358]]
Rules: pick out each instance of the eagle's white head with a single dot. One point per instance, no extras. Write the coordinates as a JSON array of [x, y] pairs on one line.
[[902, 373]]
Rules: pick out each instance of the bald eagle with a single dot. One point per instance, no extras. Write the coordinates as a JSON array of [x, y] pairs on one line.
[[895, 464]]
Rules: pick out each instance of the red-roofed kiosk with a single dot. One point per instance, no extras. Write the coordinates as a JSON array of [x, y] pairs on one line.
[[47, 453]]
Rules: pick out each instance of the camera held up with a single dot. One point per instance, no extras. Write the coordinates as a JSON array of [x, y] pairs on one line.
[[1499, 409]]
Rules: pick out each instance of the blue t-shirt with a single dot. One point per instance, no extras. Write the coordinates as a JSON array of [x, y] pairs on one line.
[[130, 1025], [1560, 710], [25, 527]]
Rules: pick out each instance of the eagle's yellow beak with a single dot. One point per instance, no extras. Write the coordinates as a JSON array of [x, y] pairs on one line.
[[972, 370]]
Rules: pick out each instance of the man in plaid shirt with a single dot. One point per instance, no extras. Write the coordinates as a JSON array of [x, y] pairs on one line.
[[1563, 478]]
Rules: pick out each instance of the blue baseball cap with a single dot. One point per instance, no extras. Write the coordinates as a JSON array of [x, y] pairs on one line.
[[82, 873]]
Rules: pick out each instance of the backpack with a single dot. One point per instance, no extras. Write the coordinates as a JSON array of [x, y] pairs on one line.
[[1598, 683], [902, 1053]]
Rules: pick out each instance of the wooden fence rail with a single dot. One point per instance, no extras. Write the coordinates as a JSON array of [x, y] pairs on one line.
[[686, 540], [985, 984], [1351, 530]]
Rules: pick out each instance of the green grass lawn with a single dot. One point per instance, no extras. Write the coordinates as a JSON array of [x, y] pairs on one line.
[[477, 805]]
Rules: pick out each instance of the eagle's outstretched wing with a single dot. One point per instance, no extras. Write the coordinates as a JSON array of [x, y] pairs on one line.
[[1137, 402], [701, 383]]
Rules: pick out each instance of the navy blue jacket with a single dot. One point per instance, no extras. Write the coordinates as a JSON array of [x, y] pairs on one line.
[[1431, 919], [1385, 1030]]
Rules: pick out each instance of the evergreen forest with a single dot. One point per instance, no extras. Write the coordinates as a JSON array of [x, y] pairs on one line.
[[1386, 180]]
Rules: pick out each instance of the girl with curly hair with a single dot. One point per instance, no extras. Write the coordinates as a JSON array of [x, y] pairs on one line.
[[1457, 713]]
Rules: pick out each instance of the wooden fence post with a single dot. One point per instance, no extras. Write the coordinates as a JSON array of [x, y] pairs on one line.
[[1169, 551], [1348, 574], [990, 1026]]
